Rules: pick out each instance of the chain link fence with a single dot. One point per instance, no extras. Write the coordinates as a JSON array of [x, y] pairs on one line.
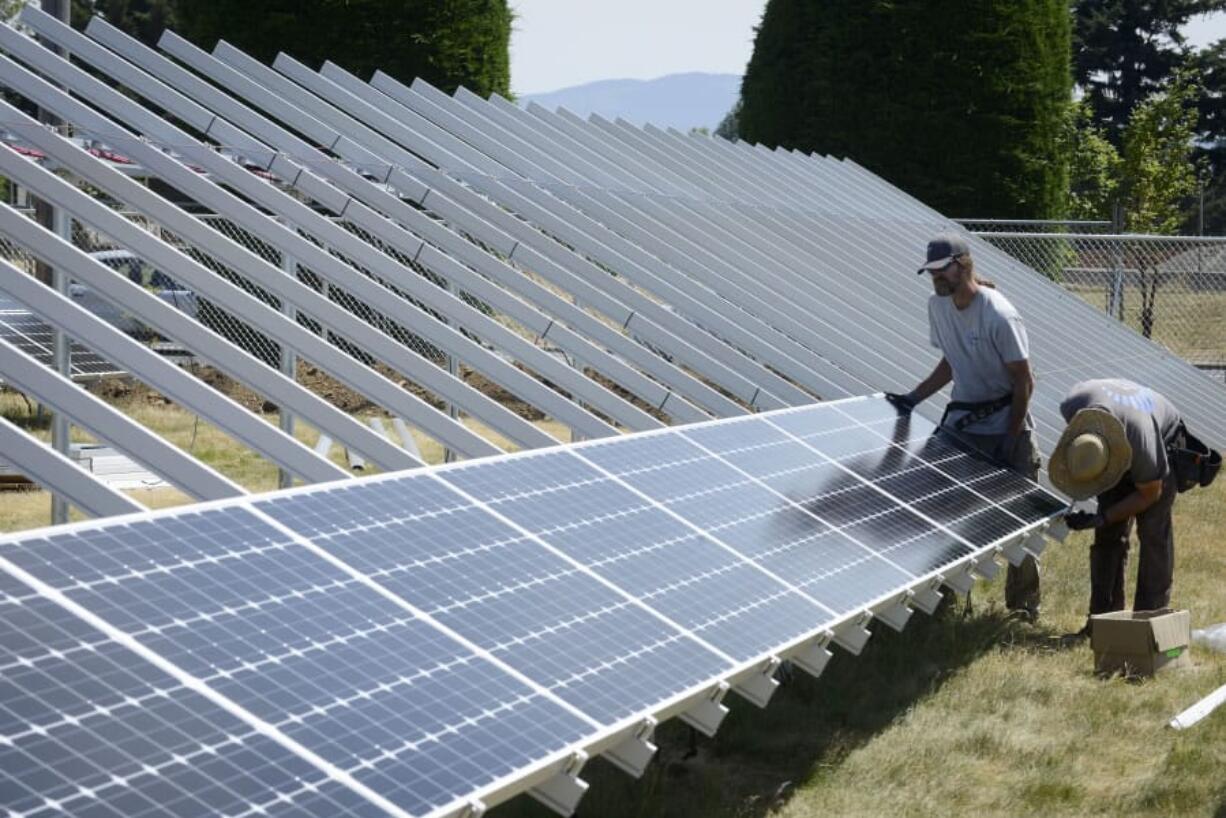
[[1171, 289]]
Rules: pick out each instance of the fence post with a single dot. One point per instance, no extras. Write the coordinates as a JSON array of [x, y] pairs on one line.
[[1115, 293]]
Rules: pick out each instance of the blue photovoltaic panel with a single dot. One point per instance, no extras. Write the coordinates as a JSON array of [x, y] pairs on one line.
[[700, 478], [434, 632], [33, 336], [546, 617], [672, 568], [88, 727], [306, 647]]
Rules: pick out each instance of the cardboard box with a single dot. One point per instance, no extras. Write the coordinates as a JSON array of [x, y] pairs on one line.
[[1141, 643]]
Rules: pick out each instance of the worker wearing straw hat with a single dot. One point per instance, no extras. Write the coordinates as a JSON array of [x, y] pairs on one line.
[[1115, 448]]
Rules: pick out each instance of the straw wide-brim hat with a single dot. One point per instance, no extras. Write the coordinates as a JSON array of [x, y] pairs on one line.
[[1092, 456]]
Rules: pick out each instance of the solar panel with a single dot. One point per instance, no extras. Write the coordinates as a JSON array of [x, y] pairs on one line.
[[437, 638], [31, 335], [89, 727], [307, 650]]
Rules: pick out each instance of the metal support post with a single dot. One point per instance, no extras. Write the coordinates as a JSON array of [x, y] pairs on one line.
[[453, 369], [1115, 293], [289, 367], [61, 346]]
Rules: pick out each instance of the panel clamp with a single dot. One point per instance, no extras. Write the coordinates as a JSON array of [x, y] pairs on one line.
[[633, 753], [852, 636], [1015, 551], [706, 715], [926, 597], [986, 567], [960, 580], [813, 657], [563, 792], [762, 684], [896, 613]]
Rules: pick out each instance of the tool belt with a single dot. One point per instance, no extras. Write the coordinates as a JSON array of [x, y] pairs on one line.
[[1193, 463], [975, 410]]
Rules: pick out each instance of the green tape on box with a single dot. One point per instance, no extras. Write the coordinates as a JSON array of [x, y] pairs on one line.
[[1173, 653]]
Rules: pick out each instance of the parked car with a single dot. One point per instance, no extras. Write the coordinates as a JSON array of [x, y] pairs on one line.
[[138, 272]]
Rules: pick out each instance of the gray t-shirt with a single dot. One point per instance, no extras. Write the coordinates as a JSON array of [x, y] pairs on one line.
[[978, 341], [1149, 420]]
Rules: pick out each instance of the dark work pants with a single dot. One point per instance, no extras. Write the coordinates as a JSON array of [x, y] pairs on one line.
[[1109, 553], [1021, 581]]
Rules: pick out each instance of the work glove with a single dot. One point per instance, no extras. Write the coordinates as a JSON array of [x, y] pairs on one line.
[[903, 403], [1082, 520]]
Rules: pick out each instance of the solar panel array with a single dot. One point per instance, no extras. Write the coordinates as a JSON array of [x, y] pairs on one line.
[[26, 331], [433, 642], [613, 278]]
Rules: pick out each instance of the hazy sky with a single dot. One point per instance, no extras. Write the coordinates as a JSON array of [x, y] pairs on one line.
[[559, 43]]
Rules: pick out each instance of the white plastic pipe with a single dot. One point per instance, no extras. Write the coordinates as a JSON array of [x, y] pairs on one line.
[[1199, 710]]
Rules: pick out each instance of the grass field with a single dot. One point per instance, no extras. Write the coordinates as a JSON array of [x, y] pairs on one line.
[[1192, 324], [961, 714]]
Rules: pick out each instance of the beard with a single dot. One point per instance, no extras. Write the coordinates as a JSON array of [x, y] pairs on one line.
[[942, 287]]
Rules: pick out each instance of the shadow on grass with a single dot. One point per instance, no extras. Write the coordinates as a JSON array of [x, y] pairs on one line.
[[759, 756]]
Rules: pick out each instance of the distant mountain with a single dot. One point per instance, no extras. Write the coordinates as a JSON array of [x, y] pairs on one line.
[[680, 101]]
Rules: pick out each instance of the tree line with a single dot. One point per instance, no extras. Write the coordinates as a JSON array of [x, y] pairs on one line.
[[446, 42], [1043, 109]]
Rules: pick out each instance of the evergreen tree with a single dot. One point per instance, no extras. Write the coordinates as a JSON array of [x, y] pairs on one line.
[[963, 104], [1125, 50], [445, 42], [143, 19]]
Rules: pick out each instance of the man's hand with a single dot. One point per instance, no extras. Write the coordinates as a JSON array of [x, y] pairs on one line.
[[1081, 520], [903, 403]]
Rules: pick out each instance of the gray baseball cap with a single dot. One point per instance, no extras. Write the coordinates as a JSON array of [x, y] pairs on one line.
[[944, 248]]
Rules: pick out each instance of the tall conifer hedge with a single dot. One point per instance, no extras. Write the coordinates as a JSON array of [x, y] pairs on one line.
[[446, 42], [962, 104]]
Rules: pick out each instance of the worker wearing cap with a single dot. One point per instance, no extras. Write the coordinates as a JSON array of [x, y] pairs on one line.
[[986, 354], [1115, 448]]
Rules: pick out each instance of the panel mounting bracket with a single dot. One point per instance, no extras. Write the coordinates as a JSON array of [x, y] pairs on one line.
[[986, 566], [473, 809], [633, 753], [1015, 551], [1035, 544], [896, 613], [562, 792], [853, 635], [926, 598], [813, 657], [706, 715], [960, 580], [760, 686], [1057, 530]]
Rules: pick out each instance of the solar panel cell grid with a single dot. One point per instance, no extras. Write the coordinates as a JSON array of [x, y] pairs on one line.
[[34, 337], [431, 633], [307, 648], [89, 728]]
